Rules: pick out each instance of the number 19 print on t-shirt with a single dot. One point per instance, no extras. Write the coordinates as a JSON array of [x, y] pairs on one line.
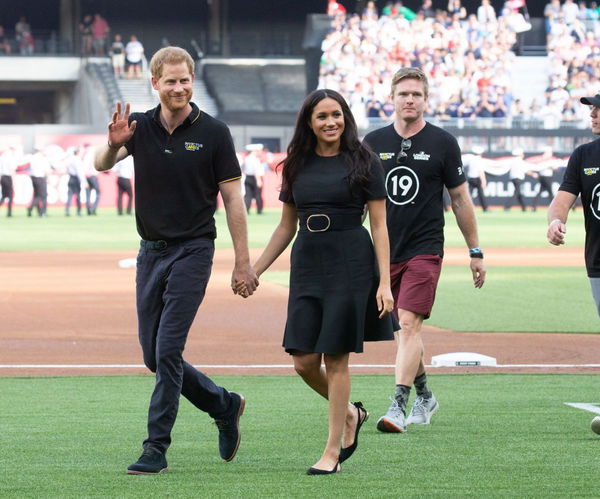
[[595, 203], [402, 185]]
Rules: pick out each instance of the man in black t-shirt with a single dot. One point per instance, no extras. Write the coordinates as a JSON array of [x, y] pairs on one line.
[[182, 158], [582, 177], [419, 159]]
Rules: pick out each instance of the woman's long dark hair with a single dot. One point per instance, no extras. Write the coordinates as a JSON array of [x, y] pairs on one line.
[[356, 155]]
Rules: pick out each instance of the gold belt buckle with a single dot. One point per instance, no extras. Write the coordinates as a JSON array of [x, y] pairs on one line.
[[318, 215]]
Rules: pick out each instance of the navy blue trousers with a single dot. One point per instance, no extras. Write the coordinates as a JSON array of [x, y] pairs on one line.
[[171, 281]]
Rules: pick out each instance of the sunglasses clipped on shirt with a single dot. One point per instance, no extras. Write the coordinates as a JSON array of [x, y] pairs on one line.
[[404, 146]]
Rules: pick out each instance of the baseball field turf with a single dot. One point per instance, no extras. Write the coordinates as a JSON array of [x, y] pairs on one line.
[[496, 435]]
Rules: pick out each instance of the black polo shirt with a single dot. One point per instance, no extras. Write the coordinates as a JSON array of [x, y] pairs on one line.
[[177, 176], [582, 176]]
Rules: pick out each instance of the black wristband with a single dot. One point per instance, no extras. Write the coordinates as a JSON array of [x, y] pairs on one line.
[[475, 253]]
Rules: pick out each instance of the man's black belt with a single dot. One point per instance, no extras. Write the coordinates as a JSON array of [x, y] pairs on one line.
[[160, 244], [323, 222]]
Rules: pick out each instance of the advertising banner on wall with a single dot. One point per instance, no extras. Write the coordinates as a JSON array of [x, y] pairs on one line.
[[499, 189]]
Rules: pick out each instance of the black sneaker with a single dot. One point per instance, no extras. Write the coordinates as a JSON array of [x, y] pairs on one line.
[[229, 428], [151, 462]]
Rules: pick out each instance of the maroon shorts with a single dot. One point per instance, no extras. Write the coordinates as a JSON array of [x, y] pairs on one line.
[[414, 282]]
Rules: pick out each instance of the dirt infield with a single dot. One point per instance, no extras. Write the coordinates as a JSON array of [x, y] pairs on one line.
[[65, 309]]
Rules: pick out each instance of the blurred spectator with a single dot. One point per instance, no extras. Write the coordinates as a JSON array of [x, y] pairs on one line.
[[334, 8], [370, 11], [124, 172], [117, 55], [100, 31], [85, 28], [387, 110], [427, 9], [516, 175], [21, 27], [476, 176], [39, 169], [455, 8], [24, 37], [8, 166], [485, 108], [254, 172], [486, 13], [76, 171], [570, 12], [4, 42], [544, 176], [134, 52], [552, 13], [92, 187], [373, 108], [467, 109]]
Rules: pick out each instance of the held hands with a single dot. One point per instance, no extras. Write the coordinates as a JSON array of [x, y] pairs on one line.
[[119, 129], [478, 271], [244, 281], [385, 301], [556, 232]]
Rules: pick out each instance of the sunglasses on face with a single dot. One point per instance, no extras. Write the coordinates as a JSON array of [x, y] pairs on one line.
[[404, 146]]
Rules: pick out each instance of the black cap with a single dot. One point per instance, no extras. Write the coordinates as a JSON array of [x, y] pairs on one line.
[[591, 101]]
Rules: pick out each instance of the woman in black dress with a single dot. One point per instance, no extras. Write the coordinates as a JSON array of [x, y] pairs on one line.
[[339, 283]]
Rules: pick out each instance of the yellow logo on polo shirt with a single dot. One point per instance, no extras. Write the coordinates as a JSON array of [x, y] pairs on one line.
[[590, 171], [193, 146], [386, 155]]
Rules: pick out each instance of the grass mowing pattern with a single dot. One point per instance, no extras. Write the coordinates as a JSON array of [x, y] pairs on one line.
[[497, 435], [109, 231]]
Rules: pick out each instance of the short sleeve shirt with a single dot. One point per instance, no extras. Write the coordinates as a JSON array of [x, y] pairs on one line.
[[582, 176], [322, 185], [177, 176], [414, 185]]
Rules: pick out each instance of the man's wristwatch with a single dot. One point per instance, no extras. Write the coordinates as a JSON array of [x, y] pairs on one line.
[[476, 253]]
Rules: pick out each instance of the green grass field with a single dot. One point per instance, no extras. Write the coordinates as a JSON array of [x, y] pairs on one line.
[[109, 231], [494, 436]]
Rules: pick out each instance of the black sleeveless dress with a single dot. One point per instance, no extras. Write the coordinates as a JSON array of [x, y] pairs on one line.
[[334, 277]]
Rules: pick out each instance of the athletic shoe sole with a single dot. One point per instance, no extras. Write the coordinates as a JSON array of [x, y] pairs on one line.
[[387, 426]]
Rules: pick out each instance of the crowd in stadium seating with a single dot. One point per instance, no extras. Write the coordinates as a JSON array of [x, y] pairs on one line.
[[468, 58], [22, 43], [573, 44]]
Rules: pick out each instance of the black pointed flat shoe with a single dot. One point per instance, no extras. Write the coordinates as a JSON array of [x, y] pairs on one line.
[[363, 415], [317, 471]]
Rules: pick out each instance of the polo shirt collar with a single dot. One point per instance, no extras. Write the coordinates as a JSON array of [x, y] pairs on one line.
[[193, 116]]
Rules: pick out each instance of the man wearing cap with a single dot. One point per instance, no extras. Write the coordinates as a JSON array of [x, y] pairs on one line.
[[582, 177]]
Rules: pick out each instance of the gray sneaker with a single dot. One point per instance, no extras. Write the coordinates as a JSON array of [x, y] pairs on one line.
[[422, 410], [394, 420]]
